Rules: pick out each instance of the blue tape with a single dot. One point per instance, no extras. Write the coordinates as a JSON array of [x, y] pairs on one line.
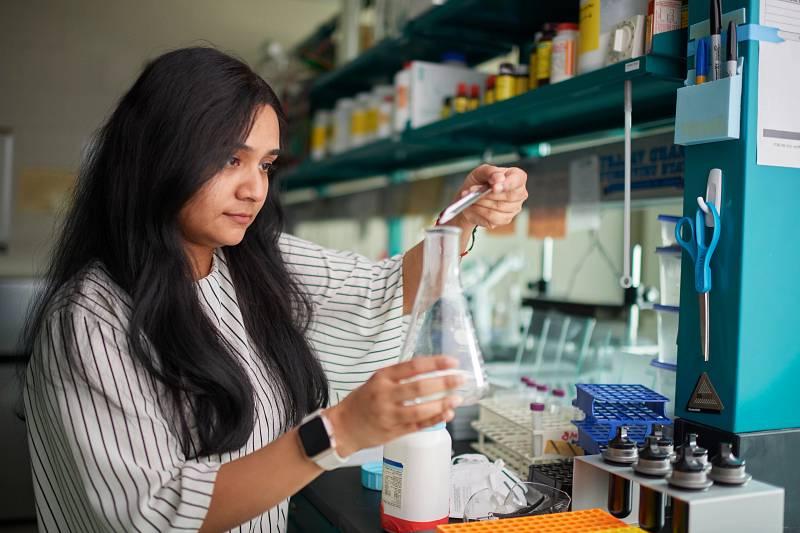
[[745, 32], [757, 32]]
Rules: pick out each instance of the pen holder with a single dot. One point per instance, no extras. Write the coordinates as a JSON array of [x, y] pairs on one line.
[[709, 112]]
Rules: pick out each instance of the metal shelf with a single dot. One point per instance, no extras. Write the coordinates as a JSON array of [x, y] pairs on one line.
[[585, 103], [479, 29], [588, 103], [379, 157]]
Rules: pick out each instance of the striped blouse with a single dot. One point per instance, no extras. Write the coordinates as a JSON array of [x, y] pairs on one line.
[[106, 458]]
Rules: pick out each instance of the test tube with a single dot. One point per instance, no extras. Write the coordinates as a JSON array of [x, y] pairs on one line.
[[621, 450], [557, 404], [541, 389], [620, 502], [537, 424], [651, 509], [680, 516]]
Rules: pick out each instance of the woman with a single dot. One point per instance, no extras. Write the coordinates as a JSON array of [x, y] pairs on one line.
[[182, 338]]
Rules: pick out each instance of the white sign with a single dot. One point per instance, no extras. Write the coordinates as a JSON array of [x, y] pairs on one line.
[[778, 82]]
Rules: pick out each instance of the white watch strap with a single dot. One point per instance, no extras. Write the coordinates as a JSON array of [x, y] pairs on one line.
[[329, 460]]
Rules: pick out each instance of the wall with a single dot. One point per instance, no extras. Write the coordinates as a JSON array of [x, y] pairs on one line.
[[63, 65]]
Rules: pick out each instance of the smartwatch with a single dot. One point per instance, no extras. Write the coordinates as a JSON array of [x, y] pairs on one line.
[[319, 445]]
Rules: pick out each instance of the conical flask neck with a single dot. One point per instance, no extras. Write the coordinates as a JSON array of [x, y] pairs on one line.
[[441, 257]]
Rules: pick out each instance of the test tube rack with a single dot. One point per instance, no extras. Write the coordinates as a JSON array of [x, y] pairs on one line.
[[594, 520], [557, 474], [609, 406], [755, 506], [505, 432]]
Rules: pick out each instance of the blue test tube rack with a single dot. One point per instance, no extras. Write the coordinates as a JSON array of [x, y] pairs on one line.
[[609, 406]]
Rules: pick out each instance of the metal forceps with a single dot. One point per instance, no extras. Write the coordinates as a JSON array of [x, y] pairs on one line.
[[701, 253], [460, 205]]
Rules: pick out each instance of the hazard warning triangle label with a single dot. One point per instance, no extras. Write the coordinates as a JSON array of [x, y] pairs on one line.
[[704, 399]]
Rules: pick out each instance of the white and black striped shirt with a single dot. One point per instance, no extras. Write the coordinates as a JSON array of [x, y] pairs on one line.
[[105, 457]]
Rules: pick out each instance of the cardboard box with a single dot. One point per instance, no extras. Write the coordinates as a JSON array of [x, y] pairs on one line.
[[431, 83]]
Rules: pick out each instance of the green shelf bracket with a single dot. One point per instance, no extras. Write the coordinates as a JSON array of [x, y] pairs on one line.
[[395, 223]]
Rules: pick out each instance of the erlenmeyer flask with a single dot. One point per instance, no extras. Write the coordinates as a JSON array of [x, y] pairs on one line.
[[440, 322]]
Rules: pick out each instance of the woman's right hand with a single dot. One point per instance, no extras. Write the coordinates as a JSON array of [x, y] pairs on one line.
[[382, 409]]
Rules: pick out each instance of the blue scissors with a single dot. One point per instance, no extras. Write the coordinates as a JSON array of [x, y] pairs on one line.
[[701, 253]]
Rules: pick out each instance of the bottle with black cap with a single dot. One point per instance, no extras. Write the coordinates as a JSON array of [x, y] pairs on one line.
[[699, 453], [663, 442], [654, 462], [620, 451], [728, 469], [688, 472]]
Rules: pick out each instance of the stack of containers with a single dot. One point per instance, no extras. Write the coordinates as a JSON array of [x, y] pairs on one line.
[[353, 122], [669, 267], [340, 135], [609, 406]]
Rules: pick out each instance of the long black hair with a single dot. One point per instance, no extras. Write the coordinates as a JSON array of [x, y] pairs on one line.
[[170, 133]]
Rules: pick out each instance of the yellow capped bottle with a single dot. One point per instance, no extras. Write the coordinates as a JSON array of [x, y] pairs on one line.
[[447, 107], [521, 80], [488, 96], [544, 52], [474, 97], [505, 84], [461, 101]]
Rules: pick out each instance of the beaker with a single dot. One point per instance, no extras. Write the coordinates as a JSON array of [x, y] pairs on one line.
[[440, 322], [523, 498]]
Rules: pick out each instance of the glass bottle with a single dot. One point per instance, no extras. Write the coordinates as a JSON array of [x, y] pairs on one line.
[[440, 322]]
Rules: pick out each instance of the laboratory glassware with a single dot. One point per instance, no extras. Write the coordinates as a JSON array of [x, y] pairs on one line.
[[440, 322], [513, 501]]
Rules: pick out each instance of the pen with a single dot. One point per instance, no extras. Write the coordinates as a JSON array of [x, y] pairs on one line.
[[715, 18], [733, 52], [700, 64]]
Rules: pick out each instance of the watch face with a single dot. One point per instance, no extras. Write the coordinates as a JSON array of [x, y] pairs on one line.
[[314, 437]]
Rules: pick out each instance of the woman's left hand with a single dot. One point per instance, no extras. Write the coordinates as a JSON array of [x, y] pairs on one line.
[[499, 207]]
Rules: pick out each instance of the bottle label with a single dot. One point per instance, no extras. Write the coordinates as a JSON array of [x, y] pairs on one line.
[[318, 137], [392, 494], [563, 60], [533, 80], [589, 26], [401, 96], [504, 87], [358, 124], [543, 51]]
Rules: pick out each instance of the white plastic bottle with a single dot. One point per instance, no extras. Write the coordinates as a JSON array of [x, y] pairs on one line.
[[340, 135], [564, 57], [416, 481], [402, 105], [320, 129]]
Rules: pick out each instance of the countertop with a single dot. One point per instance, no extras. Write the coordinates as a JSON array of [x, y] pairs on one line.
[[349, 507]]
